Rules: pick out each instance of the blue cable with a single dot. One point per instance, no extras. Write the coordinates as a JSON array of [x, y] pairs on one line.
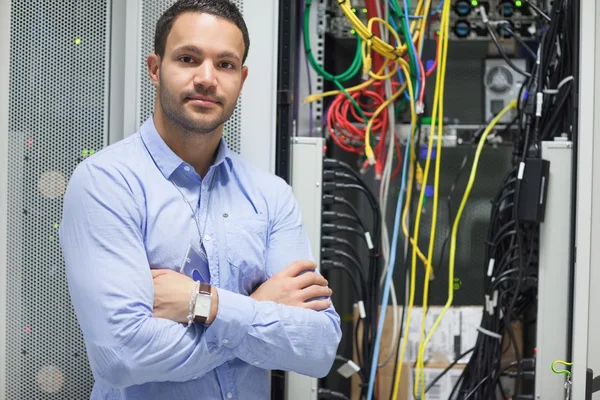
[[437, 10], [400, 78], [394, 247], [390, 271], [409, 40]]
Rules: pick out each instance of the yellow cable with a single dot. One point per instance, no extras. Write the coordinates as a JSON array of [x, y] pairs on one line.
[[318, 96], [482, 140], [438, 114], [366, 53], [381, 47], [415, 248], [368, 149]]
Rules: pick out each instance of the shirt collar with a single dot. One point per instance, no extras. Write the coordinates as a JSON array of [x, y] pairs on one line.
[[165, 159]]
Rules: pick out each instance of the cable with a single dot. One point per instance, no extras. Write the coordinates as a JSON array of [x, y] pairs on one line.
[[330, 264], [538, 10], [330, 394], [486, 22], [332, 240], [448, 368], [392, 258], [507, 27], [453, 238]]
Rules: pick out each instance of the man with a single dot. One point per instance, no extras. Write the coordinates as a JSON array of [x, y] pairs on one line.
[[147, 218]]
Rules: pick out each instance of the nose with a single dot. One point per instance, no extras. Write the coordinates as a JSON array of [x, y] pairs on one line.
[[205, 76]]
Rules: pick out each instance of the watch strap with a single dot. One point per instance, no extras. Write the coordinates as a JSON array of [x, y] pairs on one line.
[[204, 289]]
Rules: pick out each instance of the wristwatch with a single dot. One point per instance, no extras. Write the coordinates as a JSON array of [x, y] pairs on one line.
[[203, 303]]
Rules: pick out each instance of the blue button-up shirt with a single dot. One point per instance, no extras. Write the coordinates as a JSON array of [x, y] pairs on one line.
[[128, 209]]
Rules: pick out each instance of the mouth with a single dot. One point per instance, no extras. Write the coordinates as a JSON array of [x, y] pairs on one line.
[[203, 101]]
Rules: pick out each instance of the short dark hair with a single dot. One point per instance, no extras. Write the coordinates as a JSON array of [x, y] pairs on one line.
[[224, 9]]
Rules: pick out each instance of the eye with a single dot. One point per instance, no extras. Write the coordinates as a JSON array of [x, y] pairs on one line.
[[227, 65], [186, 59]]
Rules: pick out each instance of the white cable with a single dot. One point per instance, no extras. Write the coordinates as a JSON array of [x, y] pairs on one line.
[[560, 85]]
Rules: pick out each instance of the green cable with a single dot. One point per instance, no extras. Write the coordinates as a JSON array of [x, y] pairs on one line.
[[336, 79]]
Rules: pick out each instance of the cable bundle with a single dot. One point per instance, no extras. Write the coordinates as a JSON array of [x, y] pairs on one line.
[[340, 176], [545, 111]]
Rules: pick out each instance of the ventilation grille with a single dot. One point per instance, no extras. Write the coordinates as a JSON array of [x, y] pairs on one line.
[[151, 12], [57, 116]]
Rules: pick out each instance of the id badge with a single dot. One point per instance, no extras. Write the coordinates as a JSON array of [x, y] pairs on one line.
[[195, 265]]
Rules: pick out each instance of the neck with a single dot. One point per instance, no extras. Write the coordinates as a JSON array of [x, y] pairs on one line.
[[198, 150]]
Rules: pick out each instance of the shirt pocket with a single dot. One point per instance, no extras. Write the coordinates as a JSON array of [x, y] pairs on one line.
[[246, 253]]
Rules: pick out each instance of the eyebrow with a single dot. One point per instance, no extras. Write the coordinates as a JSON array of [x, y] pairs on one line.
[[194, 49]]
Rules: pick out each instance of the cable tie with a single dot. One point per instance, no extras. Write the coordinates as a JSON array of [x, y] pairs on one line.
[[484, 16], [491, 267], [521, 170], [539, 103], [348, 369], [369, 240], [361, 309], [489, 333]]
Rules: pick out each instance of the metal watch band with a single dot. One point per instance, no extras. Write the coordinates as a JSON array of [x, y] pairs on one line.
[[206, 290]]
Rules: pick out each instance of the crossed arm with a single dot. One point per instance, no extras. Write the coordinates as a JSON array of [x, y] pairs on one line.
[[112, 291]]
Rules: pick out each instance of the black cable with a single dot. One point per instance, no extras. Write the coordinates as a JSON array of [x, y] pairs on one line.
[[448, 368], [502, 52], [330, 264], [332, 176], [372, 302], [328, 253], [329, 199], [538, 10], [333, 216], [505, 25], [333, 240], [331, 228], [330, 394]]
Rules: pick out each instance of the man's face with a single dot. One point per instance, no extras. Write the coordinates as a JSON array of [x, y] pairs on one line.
[[201, 75]]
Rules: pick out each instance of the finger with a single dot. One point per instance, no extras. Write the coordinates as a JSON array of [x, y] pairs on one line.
[[310, 279], [317, 305], [297, 267], [315, 291]]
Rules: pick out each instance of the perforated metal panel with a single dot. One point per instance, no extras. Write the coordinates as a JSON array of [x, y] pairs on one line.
[[151, 12], [57, 116]]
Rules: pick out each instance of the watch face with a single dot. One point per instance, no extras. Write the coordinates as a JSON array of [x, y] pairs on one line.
[[203, 304]]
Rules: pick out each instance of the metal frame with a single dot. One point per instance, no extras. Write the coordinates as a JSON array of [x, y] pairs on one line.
[[117, 115], [259, 96], [307, 185], [132, 23], [286, 74], [4, 90], [317, 39], [587, 233], [554, 272]]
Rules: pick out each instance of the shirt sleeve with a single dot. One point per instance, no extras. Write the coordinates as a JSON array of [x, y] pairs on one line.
[[279, 336], [112, 291]]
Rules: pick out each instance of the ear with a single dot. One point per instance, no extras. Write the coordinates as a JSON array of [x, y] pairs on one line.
[[244, 75], [153, 63]]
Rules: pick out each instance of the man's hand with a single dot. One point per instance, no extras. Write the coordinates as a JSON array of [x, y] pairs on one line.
[[172, 293], [292, 288]]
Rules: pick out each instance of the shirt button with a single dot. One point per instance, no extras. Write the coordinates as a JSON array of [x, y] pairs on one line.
[[229, 395], [187, 169], [207, 237], [256, 362], [225, 341]]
